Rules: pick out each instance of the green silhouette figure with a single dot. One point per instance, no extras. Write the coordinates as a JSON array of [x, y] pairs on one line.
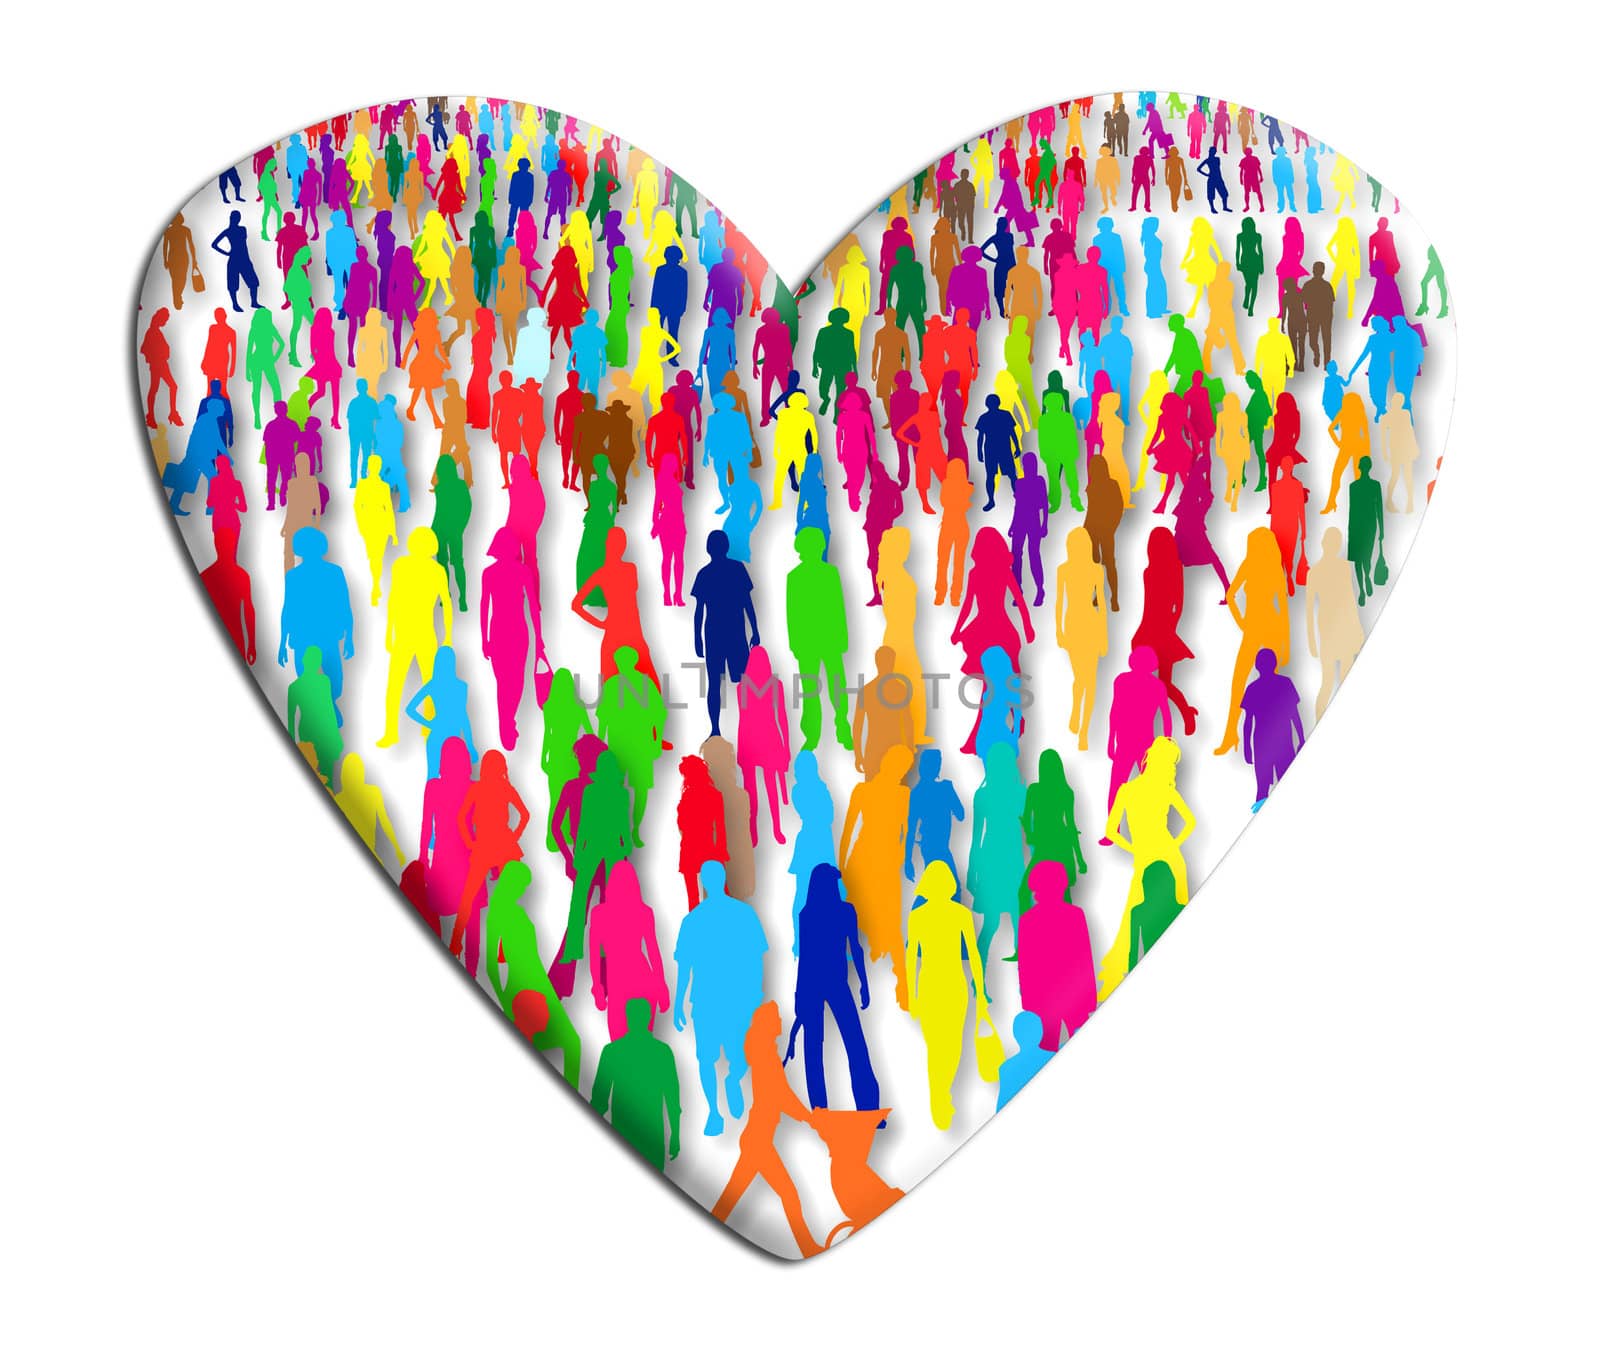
[[1434, 276], [1058, 448], [605, 836], [311, 716], [819, 637], [787, 304], [619, 286], [566, 719], [1050, 824], [908, 292], [521, 983], [636, 1080], [452, 507], [1184, 359], [833, 356], [1257, 415], [1153, 915], [263, 347], [598, 521], [632, 720], [1365, 538]]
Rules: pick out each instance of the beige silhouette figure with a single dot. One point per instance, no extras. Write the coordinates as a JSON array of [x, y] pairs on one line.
[[511, 299], [1397, 446], [1333, 619], [302, 506], [883, 715], [1082, 625], [1222, 323], [944, 252], [372, 350], [1107, 177], [891, 353], [900, 594], [1233, 445], [723, 763]]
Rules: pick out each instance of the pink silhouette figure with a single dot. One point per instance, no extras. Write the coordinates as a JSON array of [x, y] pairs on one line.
[[667, 525], [441, 849], [855, 444], [624, 956], [1093, 293], [985, 621], [764, 740], [1138, 696], [1291, 262], [492, 841], [325, 368], [1055, 962], [1064, 297], [510, 591]]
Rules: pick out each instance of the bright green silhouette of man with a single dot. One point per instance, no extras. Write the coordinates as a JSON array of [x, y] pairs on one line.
[[605, 836], [631, 719], [598, 521], [636, 1080], [523, 974], [452, 508], [311, 716], [819, 637], [908, 292], [1184, 359], [833, 357]]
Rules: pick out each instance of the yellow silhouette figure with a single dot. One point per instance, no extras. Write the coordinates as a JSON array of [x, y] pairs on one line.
[[1013, 403], [900, 592], [941, 943], [1274, 359], [461, 154], [646, 191], [793, 441], [1145, 803], [1082, 625], [579, 236], [1107, 177], [982, 168], [374, 511], [663, 235], [1354, 438], [418, 586], [657, 347], [361, 803], [359, 163], [1112, 434], [1263, 622], [1200, 260], [1397, 445], [1334, 633], [433, 252], [1233, 445], [852, 291], [1150, 412], [1222, 324], [1344, 262], [1343, 181], [871, 864]]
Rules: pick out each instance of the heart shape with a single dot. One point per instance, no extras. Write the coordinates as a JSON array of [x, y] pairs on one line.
[[1074, 244]]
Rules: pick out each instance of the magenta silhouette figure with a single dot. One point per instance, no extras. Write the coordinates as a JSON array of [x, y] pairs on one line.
[[885, 504], [1189, 522], [624, 956], [510, 588], [855, 443], [441, 849], [763, 747], [1093, 285], [1138, 699], [1055, 962], [969, 286]]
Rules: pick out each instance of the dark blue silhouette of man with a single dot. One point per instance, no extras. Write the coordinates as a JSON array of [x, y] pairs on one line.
[[669, 291], [997, 443], [829, 943], [316, 611], [519, 193], [720, 954], [722, 592]]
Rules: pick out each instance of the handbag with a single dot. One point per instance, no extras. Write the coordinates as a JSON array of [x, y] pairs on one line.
[[1301, 571], [991, 1051], [1188, 193], [196, 281], [1380, 573], [542, 674]]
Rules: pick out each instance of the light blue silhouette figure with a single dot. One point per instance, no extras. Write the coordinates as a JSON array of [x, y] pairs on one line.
[[448, 692]]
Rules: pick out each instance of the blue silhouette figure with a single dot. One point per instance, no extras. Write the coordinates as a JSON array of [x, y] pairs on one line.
[[435, 121], [935, 807], [791, 386], [519, 194], [1116, 361], [1378, 356], [1023, 1065], [1155, 279], [389, 438], [1405, 358], [727, 444], [1090, 361], [1000, 714], [829, 943], [448, 692], [1333, 386], [745, 508], [1004, 257], [814, 844], [295, 158], [722, 592], [203, 447], [339, 250], [998, 444], [811, 512], [233, 243], [1211, 168], [361, 426], [1274, 131], [587, 355], [720, 954], [1112, 258], [230, 177], [316, 611], [1283, 179], [1313, 184], [719, 352], [669, 291]]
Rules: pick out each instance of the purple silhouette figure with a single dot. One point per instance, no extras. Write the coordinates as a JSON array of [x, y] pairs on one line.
[[1273, 733], [404, 295], [281, 440], [725, 286], [969, 286], [1030, 519]]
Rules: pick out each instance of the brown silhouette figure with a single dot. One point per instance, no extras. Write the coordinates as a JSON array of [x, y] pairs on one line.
[[944, 252], [723, 764], [1103, 506], [1024, 298], [178, 257], [883, 716]]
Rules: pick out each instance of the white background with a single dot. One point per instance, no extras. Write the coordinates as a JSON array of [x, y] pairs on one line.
[[1346, 1114]]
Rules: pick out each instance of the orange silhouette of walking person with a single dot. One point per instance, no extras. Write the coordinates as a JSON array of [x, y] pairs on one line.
[[1263, 622], [178, 257], [871, 864], [771, 1098], [157, 353], [1082, 625]]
